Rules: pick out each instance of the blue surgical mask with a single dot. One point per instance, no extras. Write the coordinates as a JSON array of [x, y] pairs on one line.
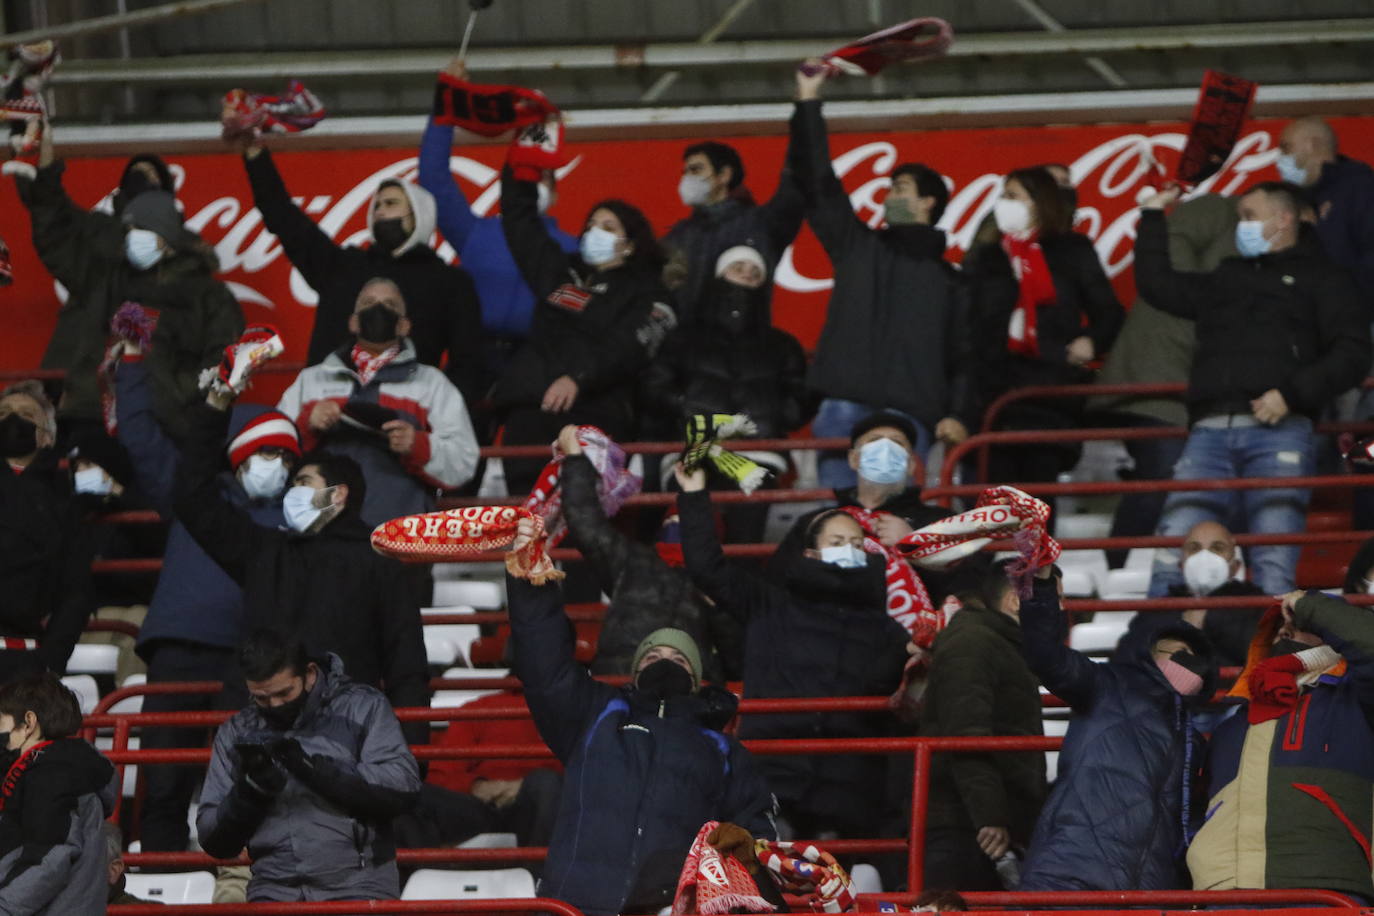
[[1289, 170], [597, 246], [1250, 240], [303, 516], [883, 461], [141, 248], [92, 480], [845, 556]]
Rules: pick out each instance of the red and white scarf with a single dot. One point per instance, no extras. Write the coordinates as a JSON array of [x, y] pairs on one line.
[[614, 486], [440, 536], [714, 882], [369, 364], [17, 770], [908, 602], [1035, 288], [806, 869]]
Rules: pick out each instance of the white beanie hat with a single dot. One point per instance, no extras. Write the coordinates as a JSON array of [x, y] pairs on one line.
[[740, 253]]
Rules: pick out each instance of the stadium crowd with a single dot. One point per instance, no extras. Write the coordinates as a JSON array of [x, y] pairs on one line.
[[269, 582]]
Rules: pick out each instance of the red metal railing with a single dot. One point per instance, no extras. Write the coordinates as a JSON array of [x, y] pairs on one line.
[[348, 908]]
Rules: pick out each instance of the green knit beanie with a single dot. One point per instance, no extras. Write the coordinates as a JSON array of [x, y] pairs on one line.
[[674, 639]]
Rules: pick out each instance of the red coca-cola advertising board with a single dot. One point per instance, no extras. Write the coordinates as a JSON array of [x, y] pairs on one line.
[[1109, 164]]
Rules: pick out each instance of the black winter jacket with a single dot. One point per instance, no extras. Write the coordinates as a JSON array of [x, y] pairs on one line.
[[728, 359], [601, 328], [329, 588], [1084, 305], [642, 776], [896, 331], [646, 593], [980, 685], [441, 301], [825, 634], [1291, 320], [1229, 630], [1115, 818]]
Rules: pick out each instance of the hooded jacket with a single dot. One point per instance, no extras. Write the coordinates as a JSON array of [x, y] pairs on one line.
[[728, 359], [601, 328], [507, 303], [195, 600], [646, 593], [197, 316], [53, 858], [642, 775], [328, 837], [329, 588], [441, 301], [1229, 630], [1115, 819], [825, 633], [896, 330], [1291, 321], [445, 452], [1290, 800]]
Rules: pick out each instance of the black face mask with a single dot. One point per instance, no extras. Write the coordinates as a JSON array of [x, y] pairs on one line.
[[1287, 647], [18, 437], [1194, 663], [664, 680], [377, 324], [280, 718], [737, 306], [389, 234]]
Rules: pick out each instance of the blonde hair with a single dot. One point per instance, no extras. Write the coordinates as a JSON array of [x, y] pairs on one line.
[[33, 388]]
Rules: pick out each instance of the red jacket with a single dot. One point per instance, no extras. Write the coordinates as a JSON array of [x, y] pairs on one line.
[[459, 775]]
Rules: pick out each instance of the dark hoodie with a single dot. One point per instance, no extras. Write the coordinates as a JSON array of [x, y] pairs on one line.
[[52, 848], [825, 633], [729, 359], [1116, 817]]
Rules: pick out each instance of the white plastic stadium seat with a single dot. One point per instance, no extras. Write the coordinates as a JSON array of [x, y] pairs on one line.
[[442, 884], [93, 658], [130, 704], [1129, 582], [1102, 634], [1054, 728], [175, 887], [490, 841], [1092, 563], [475, 593], [447, 699], [1140, 558], [87, 693], [1082, 525], [866, 879], [448, 643], [130, 786]]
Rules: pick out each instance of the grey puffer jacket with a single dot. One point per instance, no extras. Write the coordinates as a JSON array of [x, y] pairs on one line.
[[330, 839]]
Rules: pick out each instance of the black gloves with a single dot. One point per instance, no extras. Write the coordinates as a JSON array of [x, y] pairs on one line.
[[289, 753], [259, 774]]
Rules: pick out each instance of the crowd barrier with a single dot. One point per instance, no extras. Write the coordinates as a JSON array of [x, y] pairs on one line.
[[350, 908]]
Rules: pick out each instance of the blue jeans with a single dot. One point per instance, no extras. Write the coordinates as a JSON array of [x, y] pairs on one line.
[[835, 419], [1285, 450]]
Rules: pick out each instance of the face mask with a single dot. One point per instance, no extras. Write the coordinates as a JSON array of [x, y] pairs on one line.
[[93, 481], [389, 233], [1205, 572], [262, 477], [694, 190], [1184, 671], [1369, 586], [302, 515], [897, 211], [1250, 240], [141, 248], [845, 556], [1289, 170], [665, 679], [544, 197], [738, 306], [18, 437], [883, 461], [377, 324], [284, 716], [597, 246], [1012, 216]]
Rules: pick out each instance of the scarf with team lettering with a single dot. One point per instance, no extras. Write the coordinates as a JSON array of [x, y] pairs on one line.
[[1035, 287], [908, 602], [714, 882], [442, 536], [614, 485]]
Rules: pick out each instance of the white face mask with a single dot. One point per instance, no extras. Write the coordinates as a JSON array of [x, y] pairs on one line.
[[1012, 216], [845, 556], [545, 197], [303, 515], [262, 477], [141, 248], [597, 246], [92, 480], [1205, 572], [694, 190], [1289, 170], [1369, 586]]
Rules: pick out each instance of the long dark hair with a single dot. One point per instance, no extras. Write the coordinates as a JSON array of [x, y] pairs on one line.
[[637, 229], [1051, 211]]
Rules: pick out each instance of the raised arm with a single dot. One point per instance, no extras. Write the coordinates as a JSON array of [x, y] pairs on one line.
[[1066, 673], [453, 213], [307, 247], [827, 205], [1169, 290], [542, 263], [70, 241], [602, 545], [152, 452], [730, 587], [1348, 630]]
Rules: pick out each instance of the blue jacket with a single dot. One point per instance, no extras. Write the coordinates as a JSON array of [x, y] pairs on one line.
[[195, 600], [1114, 820], [507, 303], [642, 777], [1343, 197]]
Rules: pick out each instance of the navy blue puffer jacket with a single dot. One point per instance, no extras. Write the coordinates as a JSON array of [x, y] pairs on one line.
[[1114, 820]]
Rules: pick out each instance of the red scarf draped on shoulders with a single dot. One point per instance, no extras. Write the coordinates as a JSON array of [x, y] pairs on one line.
[[1036, 289]]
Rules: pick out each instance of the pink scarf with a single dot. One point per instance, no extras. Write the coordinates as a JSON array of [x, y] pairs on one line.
[[612, 489]]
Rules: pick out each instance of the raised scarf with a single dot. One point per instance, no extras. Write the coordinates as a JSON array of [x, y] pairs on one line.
[[908, 602], [806, 869], [487, 110], [705, 432], [714, 882], [1035, 287], [441, 536], [132, 324], [614, 485], [252, 114]]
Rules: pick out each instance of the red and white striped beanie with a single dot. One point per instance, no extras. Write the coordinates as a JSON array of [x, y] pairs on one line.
[[269, 429]]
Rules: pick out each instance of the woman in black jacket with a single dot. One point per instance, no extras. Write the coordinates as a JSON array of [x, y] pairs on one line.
[[600, 316], [1043, 309]]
